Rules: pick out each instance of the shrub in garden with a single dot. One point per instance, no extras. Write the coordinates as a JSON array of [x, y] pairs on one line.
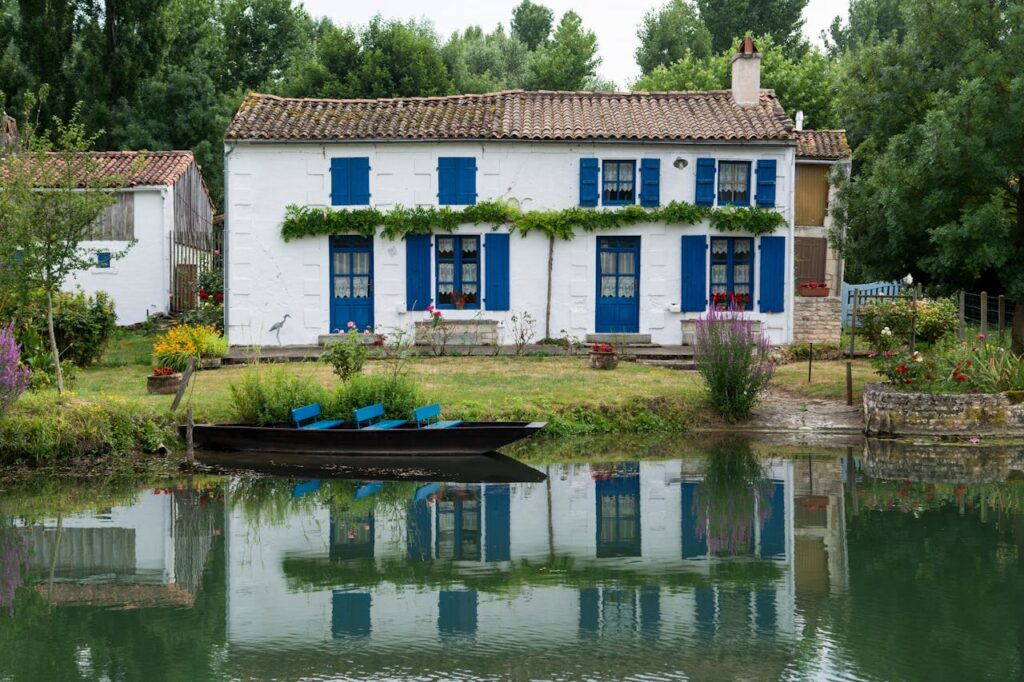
[[348, 354], [187, 341], [953, 367], [83, 325], [734, 361], [208, 314], [267, 395], [935, 319], [399, 395], [14, 376]]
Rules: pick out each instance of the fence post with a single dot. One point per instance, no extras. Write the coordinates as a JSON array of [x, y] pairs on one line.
[[963, 312], [913, 319], [853, 320], [810, 359], [1002, 318], [984, 313]]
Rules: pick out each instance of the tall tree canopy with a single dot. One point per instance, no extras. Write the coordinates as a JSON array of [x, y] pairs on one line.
[[730, 20], [486, 62], [868, 21], [569, 61], [531, 23], [668, 33]]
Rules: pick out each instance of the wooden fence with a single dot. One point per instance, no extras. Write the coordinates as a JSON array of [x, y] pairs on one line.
[[192, 254]]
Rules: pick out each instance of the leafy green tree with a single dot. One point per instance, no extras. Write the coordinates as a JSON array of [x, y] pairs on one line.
[[329, 69], [531, 24], [730, 20], [401, 59], [481, 62], [260, 37], [940, 127], [868, 21], [803, 83], [570, 61], [666, 34]]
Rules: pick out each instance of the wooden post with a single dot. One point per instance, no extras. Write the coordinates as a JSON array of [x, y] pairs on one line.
[[913, 318], [190, 451], [849, 383], [984, 313], [963, 312], [853, 321], [810, 359], [184, 383], [1002, 319]]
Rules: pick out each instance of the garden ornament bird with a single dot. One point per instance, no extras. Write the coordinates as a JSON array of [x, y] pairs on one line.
[[276, 327]]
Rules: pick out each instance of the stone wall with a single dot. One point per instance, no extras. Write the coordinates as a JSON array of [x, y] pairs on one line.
[[897, 460], [817, 320], [462, 332], [888, 412]]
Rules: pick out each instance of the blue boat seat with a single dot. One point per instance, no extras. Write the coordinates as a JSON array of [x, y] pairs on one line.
[[308, 417], [429, 417], [372, 417]]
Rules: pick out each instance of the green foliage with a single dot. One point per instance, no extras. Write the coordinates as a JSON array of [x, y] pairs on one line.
[[730, 20], [480, 62], [569, 61], [208, 314], [670, 33], [531, 23], [954, 367], [868, 22], [84, 325], [935, 319], [267, 395], [303, 221], [399, 395], [346, 355], [185, 341]]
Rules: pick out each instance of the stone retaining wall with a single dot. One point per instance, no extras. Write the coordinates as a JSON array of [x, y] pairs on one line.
[[463, 332], [817, 320], [888, 412], [899, 460]]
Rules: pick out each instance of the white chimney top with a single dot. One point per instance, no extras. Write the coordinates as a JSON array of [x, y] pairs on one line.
[[799, 120], [746, 73]]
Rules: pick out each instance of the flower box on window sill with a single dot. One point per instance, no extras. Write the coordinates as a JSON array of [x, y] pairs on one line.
[[814, 290]]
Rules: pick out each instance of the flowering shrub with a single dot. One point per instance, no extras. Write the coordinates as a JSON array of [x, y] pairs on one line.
[[185, 341], [814, 285], [440, 331], [602, 348], [14, 376], [348, 354], [14, 558], [935, 319], [953, 367], [734, 361]]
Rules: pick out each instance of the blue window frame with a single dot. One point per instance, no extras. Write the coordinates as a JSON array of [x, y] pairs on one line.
[[732, 265], [458, 272], [733, 183], [618, 183], [103, 259]]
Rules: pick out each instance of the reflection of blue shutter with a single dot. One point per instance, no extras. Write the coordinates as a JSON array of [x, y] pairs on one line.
[[417, 271], [466, 181], [340, 183], [650, 179], [773, 274], [588, 182], [766, 183], [359, 179], [496, 270], [497, 522], [694, 274], [705, 182], [447, 192]]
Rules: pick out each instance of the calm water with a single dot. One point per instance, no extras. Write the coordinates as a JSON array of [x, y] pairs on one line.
[[719, 565]]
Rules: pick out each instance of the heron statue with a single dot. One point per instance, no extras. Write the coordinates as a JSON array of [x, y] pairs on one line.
[[276, 327]]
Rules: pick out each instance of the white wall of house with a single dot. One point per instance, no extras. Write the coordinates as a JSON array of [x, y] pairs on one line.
[[139, 282], [267, 277]]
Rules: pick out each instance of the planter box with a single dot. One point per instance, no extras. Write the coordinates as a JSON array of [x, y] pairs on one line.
[[463, 332], [210, 363], [163, 385], [689, 328], [603, 360], [814, 292]]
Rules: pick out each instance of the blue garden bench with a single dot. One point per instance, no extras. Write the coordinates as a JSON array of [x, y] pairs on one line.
[[308, 417], [372, 417], [429, 417]]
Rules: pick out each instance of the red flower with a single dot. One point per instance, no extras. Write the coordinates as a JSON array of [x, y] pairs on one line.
[[968, 363], [960, 377], [981, 337], [902, 369], [907, 380], [203, 295], [219, 298]]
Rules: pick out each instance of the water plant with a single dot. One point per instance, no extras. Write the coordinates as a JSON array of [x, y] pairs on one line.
[[734, 361]]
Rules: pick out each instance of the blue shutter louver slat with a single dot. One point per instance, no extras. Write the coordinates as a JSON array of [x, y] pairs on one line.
[[773, 274], [705, 195], [694, 274], [650, 179], [496, 271], [588, 182], [417, 271], [766, 171]]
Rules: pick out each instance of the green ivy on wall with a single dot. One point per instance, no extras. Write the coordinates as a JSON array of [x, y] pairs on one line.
[[301, 221]]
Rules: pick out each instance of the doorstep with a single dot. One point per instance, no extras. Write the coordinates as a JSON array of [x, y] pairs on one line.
[[621, 339]]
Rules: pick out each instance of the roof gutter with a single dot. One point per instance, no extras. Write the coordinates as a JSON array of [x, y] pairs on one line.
[[479, 140]]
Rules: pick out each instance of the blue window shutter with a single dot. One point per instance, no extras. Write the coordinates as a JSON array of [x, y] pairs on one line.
[[766, 183], [466, 181], [694, 274], [359, 181], [496, 271], [705, 182], [650, 179], [102, 259], [588, 182], [417, 271], [447, 187], [773, 274], [340, 183]]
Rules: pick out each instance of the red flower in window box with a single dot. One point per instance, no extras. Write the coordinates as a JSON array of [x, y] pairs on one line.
[[721, 300], [740, 300], [814, 289]]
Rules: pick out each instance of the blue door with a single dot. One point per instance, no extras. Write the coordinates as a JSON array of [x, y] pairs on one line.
[[618, 285], [351, 282]]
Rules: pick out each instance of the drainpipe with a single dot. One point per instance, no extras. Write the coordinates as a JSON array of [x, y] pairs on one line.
[[228, 148]]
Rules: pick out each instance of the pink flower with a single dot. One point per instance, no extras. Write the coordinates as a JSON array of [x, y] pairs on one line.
[[430, 308], [351, 324], [366, 332], [437, 313], [981, 337], [975, 440]]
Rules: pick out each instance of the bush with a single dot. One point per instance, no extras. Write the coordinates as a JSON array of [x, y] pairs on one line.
[[267, 395], [348, 354], [734, 361], [954, 367], [36, 354], [208, 314], [186, 341], [398, 394], [935, 319], [83, 325], [14, 376]]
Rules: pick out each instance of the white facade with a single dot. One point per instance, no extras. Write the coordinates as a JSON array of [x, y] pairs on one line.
[[267, 278]]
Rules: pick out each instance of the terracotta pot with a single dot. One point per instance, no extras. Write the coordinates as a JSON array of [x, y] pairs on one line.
[[210, 363], [603, 360], [163, 385], [814, 292], [741, 307]]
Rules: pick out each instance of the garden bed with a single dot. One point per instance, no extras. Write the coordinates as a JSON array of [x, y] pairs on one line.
[[889, 412]]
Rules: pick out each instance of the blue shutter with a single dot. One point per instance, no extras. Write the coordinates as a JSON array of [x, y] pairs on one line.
[[694, 274], [773, 274], [359, 181], [588, 182], [340, 183], [766, 183], [705, 182], [417, 271], [102, 259], [447, 188], [650, 179], [496, 271], [465, 181]]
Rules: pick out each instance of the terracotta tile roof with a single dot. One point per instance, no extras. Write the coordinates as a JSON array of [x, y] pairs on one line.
[[516, 115], [822, 144], [138, 168]]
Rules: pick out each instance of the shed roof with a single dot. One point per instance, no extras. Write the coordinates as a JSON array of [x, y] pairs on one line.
[[822, 144]]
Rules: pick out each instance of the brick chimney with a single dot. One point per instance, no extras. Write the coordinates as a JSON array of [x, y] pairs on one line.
[[746, 73]]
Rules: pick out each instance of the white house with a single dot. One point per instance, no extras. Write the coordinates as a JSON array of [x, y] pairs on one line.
[[541, 151], [163, 195]]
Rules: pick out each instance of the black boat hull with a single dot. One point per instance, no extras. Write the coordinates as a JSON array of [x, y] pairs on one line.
[[470, 438]]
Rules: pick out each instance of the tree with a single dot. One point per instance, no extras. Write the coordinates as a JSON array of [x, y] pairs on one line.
[[869, 21], [260, 37], [730, 20], [569, 61], [939, 118], [480, 62], [531, 24], [329, 69], [668, 33], [50, 199], [401, 59], [805, 83]]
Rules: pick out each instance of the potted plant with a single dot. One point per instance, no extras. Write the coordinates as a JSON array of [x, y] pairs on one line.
[[721, 300], [163, 380], [741, 301], [602, 356], [459, 299], [814, 289]]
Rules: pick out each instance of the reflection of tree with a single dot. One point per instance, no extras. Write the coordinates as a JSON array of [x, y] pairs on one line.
[[734, 492], [13, 559]]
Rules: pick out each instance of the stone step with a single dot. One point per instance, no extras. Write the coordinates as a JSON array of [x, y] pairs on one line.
[[681, 365], [621, 339]]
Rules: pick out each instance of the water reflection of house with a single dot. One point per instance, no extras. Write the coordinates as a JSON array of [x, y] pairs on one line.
[[591, 551]]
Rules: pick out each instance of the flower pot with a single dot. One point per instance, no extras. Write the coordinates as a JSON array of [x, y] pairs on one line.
[[723, 305], [603, 360], [741, 307], [814, 292], [163, 385], [210, 363]]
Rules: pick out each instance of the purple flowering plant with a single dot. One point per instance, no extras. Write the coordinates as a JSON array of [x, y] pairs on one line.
[[13, 558], [734, 360], [13, 374]]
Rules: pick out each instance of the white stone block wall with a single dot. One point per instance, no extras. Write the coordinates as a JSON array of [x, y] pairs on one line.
[[817, 320]]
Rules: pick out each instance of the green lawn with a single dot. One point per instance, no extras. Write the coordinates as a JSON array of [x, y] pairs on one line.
[[828, 379]]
